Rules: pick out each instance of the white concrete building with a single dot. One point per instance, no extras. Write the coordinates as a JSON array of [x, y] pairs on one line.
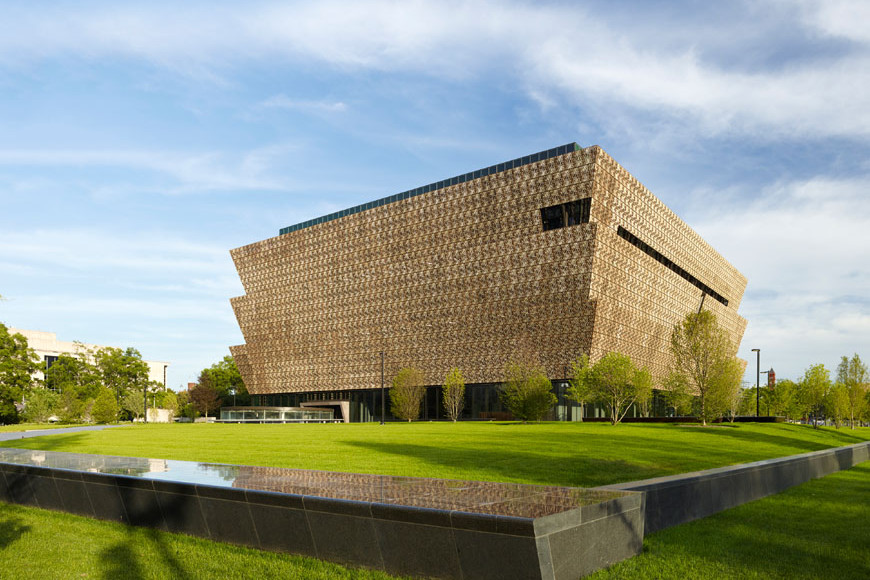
[[49, 348]]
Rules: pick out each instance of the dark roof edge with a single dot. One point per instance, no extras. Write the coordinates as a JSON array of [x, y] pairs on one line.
[[513, 164]]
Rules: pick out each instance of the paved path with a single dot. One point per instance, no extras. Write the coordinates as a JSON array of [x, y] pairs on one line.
[[8, 436]]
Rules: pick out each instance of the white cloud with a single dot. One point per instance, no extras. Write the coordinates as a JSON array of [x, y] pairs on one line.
[[557, 51], [285, 102], [838, 18], [803, 246]]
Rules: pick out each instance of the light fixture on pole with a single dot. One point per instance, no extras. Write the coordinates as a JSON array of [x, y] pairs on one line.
[[757, 352]]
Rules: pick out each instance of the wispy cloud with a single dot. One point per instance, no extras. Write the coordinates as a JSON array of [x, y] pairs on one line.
[[557, 51], [285, 102], [186, 172], [803, 246]]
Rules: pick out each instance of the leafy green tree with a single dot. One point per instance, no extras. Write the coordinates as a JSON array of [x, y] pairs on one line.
[[704, 360], [122, 371], [578, 388], [735, 401], [41, 404], [852, 373], [73, 372], [185, 407], [454, 394], [780, 398], [166, 399], [615, 381], [814, 389], [837, 403], [105, 408], [78, 382], [677, 395], [527, 392], [224, 378], [406, 394], [18, 362], [134, 404]]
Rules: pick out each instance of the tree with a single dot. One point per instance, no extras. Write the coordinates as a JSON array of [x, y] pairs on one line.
[[734, 402], [615, 381], [781, 399], [527, 392], [166, 399], [704, 359], [122, 371], [224, 377], [814, 389], [676, 391], [185, 407], [78, 383], [204, 398], [837, 403], [18, 362], [41, 404], [454, 394], [105, 408], [852, 373], [406, 394], [133, 403], [578, 389]]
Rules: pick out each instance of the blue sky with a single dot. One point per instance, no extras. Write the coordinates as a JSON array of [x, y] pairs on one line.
[[140, 143]]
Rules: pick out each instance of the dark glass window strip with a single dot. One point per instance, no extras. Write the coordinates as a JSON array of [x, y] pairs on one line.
[[566, 214], [534, 158], [654, 254]]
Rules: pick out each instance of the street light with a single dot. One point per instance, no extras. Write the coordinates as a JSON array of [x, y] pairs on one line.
[[233, 393], [757, 352]]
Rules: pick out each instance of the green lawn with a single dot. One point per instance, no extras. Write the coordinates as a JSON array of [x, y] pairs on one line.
[[32, 427], [820, 529], [574, 454], [42, 544]]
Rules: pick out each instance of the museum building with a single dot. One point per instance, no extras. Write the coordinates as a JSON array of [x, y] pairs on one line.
[[546, 257]]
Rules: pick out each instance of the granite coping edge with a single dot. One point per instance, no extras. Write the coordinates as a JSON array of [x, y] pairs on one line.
[[716, 472], [445, 518]]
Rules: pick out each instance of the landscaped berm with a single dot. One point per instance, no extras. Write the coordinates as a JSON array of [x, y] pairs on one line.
[[813, 530]]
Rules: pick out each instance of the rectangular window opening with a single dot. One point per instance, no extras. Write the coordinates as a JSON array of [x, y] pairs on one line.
[[571, 213]]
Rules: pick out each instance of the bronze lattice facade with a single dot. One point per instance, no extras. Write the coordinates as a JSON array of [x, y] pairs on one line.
[[555, 254]]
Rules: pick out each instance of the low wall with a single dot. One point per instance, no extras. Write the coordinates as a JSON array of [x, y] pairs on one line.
[[682, 498], [403, 525]]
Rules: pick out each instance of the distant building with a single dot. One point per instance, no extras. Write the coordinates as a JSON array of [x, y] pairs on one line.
[[49, 348], [555, 254]]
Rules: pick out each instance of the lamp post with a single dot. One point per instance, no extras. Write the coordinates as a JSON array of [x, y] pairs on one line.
[[757, 352], [383, 397], [233, 393]]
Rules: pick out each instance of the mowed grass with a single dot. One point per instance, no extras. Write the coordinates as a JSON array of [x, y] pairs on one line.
[[820, 529], [573, 454], [42, 544], [816, 530], [32, 427]]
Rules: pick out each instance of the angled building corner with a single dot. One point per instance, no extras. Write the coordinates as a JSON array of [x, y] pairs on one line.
[[555, 254]]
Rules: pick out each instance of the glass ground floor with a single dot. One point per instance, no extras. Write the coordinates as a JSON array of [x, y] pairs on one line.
[[482, 402]]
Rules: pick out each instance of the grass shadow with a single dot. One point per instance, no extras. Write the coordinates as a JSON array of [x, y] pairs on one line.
[[515, 465], [11, 529]]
